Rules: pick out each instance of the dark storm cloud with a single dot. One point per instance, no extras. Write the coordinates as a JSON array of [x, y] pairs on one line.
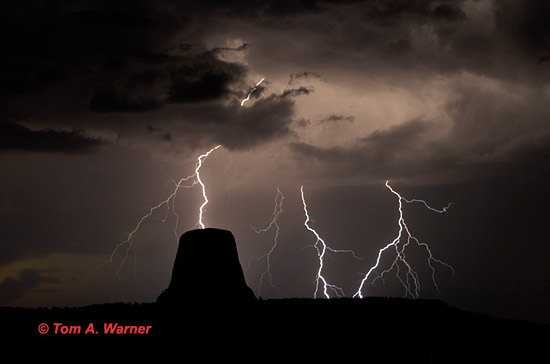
[[237, 128], [48, 46], [185, 125], [526, 23], [113, 59], [286, 7], [297, 92], [303, 76], [101, 66], [384, 10], [65, 56], [15, 137], [112, 100], [207, 78], [490, 133], [381, 154], [399, 41], [159, 133], [29, 279], [425, 37], [71, 59], [196, 75], [242, 47], [405, 135], [519, 37], [335, 118]]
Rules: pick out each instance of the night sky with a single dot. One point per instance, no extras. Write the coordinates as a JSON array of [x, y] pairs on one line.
[[104, 103]]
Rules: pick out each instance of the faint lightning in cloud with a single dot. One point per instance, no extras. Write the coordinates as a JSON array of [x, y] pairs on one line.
[[169, 202], [251, 92], [273, 223], [411, 282], [322, 248]]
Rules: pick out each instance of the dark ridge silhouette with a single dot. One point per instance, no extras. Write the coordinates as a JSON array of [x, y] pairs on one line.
[[368, 330], [209, 315], [207, 271]]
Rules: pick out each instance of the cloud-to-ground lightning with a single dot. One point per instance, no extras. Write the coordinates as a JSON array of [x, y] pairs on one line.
[[169, 202], [410, 279], [411, 282], [199, 165], [272, 224], [322, 249], [252, 91]]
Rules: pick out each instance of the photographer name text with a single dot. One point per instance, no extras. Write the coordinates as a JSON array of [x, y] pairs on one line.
[[109, 328]]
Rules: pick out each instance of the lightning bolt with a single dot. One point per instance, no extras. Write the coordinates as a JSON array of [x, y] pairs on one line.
[[199, 181], [170, 203], [322, 249], [411, 282], [273, 223], [251, 92]]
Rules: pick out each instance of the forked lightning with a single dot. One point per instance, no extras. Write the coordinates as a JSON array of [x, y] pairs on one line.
[[273, 223], [169, 202], [411, 282], [322, 248]]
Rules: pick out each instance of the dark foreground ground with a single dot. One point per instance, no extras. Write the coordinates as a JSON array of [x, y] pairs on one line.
[[372, 330]]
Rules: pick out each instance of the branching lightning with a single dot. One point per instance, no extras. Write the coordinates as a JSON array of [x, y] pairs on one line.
[[409, 278], [322, 249], [273, 223], [411, 282], [251, 92], [170, 203]]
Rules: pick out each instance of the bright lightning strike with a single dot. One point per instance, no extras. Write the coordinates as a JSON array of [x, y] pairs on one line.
[[199, 165], [411, 282], [277, 211], [251, 92], [169, 202], [322, 248]]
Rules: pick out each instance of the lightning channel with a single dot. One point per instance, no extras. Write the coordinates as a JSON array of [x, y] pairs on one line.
[[170, 203], [322, 249], [251, 92], [199, 181], [411, 283], [272, 224]]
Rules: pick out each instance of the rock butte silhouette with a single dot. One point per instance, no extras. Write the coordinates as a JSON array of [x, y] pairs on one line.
[[212, 316], [207, 271]]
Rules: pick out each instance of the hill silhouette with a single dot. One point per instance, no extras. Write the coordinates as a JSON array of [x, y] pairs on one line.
[[207, 271], [380, 330], [209, 315]]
